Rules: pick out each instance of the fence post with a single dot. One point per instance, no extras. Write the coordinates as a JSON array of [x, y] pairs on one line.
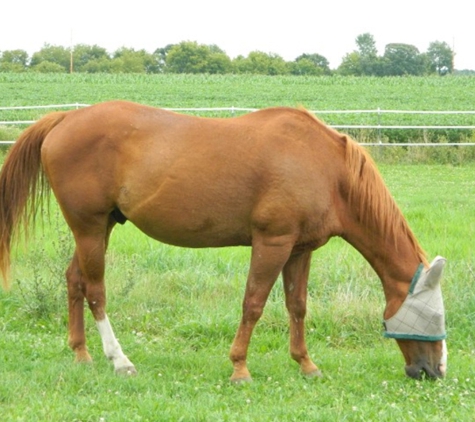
[[379, 125], [380, 142]]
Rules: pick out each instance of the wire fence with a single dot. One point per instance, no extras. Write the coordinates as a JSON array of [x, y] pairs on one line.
[[379, 126]]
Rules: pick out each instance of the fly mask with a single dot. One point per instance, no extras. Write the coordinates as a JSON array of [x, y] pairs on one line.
[[421, 316]]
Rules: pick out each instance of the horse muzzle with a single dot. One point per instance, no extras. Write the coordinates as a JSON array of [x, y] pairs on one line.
[[419, 370]]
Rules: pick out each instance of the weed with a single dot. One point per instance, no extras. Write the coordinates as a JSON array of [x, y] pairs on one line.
[[42, 287], [130, 278]]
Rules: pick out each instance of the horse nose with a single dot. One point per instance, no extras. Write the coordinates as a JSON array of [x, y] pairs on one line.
[[412, 371], [416, 371]]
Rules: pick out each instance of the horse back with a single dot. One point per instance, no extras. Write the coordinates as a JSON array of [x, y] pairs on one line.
[[196, 181]]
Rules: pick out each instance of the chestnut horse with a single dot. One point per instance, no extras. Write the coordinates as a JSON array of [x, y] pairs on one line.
[[278, 180]]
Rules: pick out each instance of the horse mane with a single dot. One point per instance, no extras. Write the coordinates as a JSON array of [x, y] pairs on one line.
[[372, 200]]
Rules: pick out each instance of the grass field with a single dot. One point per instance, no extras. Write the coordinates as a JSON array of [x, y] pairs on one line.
[[175, 312]]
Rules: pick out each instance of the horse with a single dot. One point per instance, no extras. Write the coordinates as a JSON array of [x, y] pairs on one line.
[[278, 180]]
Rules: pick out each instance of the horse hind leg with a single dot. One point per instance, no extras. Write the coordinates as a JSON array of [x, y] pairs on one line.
[[77, 336], [86, 280], [295, 277]]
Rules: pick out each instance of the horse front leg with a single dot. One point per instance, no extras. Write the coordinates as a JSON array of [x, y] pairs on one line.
[[295, 277], [267, 260]]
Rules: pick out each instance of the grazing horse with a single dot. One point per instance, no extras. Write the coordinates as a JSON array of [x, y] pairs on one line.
[[278, 180]]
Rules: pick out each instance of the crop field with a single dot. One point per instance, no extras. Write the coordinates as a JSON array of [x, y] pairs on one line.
[[321, 94], [314, 93], [175, 311]]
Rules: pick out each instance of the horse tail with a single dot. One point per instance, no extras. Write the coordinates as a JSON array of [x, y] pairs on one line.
[[23, 186]]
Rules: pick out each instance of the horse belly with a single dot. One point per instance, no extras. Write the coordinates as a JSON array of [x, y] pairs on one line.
[[193, 222], [189, 231]]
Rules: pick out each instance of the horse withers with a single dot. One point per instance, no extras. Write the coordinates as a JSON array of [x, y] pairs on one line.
[[277, 180]]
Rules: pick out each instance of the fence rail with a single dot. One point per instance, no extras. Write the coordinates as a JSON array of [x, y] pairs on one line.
[[232, 110]]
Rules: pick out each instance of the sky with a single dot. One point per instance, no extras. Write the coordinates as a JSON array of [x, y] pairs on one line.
[[286, 28]]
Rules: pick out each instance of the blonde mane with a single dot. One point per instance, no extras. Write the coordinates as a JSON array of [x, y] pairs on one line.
[[373, 202]]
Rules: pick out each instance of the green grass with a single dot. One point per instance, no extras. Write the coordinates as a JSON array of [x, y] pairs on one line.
[[176, 310]]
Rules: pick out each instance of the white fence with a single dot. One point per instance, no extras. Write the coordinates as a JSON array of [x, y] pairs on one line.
[[233, 110]]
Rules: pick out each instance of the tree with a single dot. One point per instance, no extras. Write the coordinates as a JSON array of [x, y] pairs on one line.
[[48, 67], [305, 67], [128, 60], [102, 65], [13, 61], [365, 61], [84, 54], [52, 54], [366, 45], [218, 63], [351, 65], [370, 63], [441, 57], [191, 57], [161, 56], [258, 62], [218, 60], [310, 64], [403, 59]]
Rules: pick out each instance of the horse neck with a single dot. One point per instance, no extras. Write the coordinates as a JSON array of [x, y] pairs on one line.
[[375, 226], [394, 257]]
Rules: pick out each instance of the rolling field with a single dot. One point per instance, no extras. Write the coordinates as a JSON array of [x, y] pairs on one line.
[[175, 311]]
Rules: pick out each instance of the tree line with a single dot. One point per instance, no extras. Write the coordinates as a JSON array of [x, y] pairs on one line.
[[191, 57]]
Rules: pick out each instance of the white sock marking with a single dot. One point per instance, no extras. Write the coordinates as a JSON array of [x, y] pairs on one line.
[[112, 348]]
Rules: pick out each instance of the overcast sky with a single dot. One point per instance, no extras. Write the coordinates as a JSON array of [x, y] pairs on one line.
[[286, 28]]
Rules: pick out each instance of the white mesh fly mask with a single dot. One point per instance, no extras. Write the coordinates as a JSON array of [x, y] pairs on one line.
[[422, 314]]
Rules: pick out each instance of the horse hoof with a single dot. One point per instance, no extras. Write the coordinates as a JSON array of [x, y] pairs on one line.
[[241, 381], [83, 357], [314, 374], [127, 371]]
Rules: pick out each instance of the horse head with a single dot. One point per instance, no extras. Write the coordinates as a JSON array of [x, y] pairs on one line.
[[419, 324]]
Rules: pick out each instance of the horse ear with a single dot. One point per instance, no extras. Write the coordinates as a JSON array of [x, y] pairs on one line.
[[434, 273]]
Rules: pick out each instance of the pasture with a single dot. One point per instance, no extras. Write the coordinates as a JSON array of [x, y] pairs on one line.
[[175, 310]]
